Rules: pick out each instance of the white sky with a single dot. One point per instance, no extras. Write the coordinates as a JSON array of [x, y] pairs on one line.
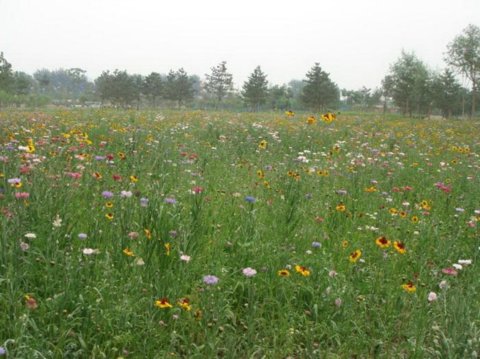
[[354, 40]]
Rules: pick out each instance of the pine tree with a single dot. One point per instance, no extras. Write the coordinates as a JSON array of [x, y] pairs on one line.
[[319, 91], [255, 90], [220, 83]]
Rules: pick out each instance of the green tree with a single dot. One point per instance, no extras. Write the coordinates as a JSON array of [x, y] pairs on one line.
[[153, 87], [409, 84], [319, 91], [6, 74], [219, 83], [280, 97], [447, 93], [255, 89], [22, 83], [179, 87], [118, 87], [463, 54]]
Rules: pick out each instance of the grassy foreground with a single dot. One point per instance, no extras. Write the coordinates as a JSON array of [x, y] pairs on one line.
[[203, 235]]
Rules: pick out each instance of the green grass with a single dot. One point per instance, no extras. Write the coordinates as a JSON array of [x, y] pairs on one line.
[[103, 305]]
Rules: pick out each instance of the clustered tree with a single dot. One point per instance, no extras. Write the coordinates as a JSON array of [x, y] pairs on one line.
[[410, 85]]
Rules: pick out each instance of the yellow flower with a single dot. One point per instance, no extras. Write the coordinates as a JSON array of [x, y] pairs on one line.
[[30, 149], [184, 303], [167, 248], [148, 234], [328, 117], [289, 113], [371, 189], [344, 244], [340, 207], [283, 273], [302, 270], [263, 145], [382, 242], [311, 120], [109, 204], [109, 216], [133, 179], [97, 175], [260, 174], [393, 211], [415, 219], [409, 287], [355, 256], [163, 303], [399, 247], [128, 252], [425, 205]]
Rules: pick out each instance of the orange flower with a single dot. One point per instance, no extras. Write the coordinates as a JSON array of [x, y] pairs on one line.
[[382, 242], [399, 247], [355, 256]]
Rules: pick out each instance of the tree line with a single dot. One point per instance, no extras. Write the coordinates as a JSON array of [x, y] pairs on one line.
[[410, 87]]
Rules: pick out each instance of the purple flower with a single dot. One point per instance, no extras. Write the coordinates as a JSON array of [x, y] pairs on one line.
[[210, 279], [250, 199], [3, 351], [100, 158], [143, 202], [82, 236], [316, 244], [107, 194], [170, 200]]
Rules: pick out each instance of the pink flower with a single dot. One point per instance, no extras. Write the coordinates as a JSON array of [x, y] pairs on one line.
[[185, 258], [197, 190], [133, 235], [432, 296], [249, 272], [74, 175], [450, 271], [22, 195]]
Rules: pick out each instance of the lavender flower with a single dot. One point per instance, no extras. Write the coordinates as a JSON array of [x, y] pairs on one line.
[[250, 199], [210, 279], [107, 194], [170, 200]]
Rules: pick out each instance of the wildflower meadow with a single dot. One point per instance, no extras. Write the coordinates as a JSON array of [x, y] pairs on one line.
[[191, 234]]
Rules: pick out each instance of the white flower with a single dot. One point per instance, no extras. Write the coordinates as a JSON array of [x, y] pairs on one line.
[[465, 262], [457, 266], [57, 222], [185, 258], [432, 296], [30, 235], [126, 194], [90, 251]]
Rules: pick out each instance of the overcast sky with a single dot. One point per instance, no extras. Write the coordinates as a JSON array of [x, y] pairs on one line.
[[354, 40]]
